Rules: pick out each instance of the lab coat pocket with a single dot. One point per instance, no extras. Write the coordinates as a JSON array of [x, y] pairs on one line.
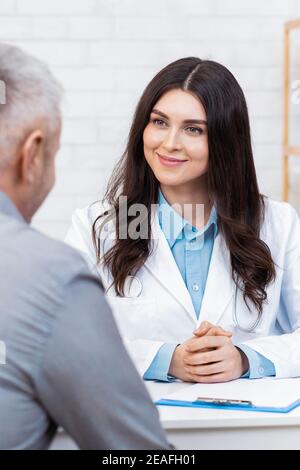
[[133, 315]]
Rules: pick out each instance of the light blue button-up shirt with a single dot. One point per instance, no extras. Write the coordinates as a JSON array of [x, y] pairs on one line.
[[192, 249]]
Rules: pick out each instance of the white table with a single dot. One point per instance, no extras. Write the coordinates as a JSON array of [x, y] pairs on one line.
[[196, 428], [203, 428]]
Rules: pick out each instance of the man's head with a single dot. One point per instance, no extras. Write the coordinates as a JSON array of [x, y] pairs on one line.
[[30, 125]]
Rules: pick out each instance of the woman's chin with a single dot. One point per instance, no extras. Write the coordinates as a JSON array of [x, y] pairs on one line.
[[171, 182]]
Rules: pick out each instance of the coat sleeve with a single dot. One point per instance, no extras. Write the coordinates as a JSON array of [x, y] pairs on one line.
[[79, 236], [284, 350]]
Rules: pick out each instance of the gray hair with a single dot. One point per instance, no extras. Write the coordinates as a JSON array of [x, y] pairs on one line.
[[28, 91]]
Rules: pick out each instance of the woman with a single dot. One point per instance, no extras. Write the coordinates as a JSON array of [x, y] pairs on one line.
[[200, 295]]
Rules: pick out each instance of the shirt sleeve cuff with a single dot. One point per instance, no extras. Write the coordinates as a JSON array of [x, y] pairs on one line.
[[159, 367], [259, 365]]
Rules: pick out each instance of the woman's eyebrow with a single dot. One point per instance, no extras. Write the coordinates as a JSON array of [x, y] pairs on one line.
[[194, 121], [160, 113], [186, 121]]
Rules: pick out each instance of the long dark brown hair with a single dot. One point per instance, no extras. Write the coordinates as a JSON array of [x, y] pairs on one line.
[[232, 182]]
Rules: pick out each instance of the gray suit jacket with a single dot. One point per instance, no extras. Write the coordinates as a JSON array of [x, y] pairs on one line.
[[65, 362]]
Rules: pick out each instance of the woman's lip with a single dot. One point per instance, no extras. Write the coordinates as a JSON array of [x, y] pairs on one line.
[[169, 161]]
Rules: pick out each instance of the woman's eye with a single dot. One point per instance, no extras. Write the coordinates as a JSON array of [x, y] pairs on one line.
[[159, 122], [195, 130]]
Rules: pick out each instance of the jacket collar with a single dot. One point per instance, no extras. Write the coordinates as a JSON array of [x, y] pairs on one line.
[[7, 207], [219, 286]]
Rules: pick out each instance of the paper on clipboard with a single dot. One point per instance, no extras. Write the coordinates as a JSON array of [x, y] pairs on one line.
[[263, 393]]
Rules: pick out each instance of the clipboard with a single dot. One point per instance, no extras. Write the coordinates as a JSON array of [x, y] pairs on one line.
[[261, 395], [195, 404]]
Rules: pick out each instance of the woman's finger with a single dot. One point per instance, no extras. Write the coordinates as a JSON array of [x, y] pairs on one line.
[[208, 369], [203, 357], [212, 330]]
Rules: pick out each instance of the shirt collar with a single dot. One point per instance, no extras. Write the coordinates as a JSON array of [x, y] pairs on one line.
[[172, 224], [170, 221]]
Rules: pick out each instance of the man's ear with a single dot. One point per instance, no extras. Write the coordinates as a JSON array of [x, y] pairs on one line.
[[31, 156]]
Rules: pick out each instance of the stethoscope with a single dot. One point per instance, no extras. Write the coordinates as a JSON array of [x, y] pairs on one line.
[[253, 326], [133, 289]]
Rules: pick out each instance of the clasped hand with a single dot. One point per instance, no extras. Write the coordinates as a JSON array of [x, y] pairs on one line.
[[208, 357]]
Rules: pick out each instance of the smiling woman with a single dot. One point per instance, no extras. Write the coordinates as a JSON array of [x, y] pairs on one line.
[[172, 139], [176, 138], [202, 300]]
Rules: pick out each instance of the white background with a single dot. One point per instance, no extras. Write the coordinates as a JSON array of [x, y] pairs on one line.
[[104, 52]]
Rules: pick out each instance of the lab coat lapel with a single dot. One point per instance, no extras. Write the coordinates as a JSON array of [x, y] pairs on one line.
[[162, 265], [219, 286]]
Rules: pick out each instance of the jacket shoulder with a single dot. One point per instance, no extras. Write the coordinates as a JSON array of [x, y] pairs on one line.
[[278, 211], [97, 216], [280, 221], [49, 259], [89, 214]]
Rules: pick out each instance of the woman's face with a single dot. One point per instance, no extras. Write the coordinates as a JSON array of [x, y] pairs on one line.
[[175, 139]]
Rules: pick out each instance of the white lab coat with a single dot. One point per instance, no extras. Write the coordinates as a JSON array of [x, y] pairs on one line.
[[158, 308]]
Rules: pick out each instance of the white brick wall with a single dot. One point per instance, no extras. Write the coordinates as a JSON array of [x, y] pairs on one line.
[[7, 7], [55, 7], [105, 51]]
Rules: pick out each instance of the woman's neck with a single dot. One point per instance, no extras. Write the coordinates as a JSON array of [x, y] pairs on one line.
[[189, 196]]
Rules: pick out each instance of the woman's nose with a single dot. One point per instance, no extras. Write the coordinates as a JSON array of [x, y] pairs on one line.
[[172, 141]]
